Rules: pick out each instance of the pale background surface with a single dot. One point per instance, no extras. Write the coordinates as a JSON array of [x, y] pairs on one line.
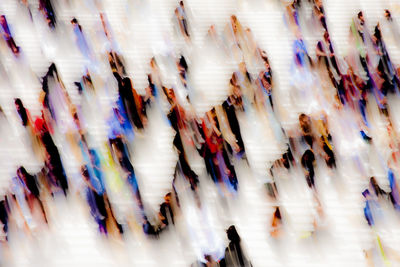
[[143, 28]]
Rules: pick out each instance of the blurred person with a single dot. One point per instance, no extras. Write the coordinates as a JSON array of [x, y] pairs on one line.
[[388, 15], [292, 15], [328, 153], [375, 189], [325, 141], [234, 253], [22, 112], [392, 25], [209, 262], [167, 211], [308, 162], [57, 105], [81, 40], [280, 168], [27, 122], [394, 194], [264, 81], [27, 6], [285, 161], [326, 54], [32, 191], [179, 120], [276, 224], [231, 142], [95, 201], [53, 164], [116, 63], [4, 217], [46, 8], [372, 209], [119, 124], [385, 63], [319, 13], [232, 38], [302, 80], [374, 214], [306, 129], [216, 159], [244, 82], [25, 201], [148, 228], [182, 20], [98, 177], [21, 215], [121, 155], [233, 123], [131, 101], [182, 69], [112, 46], [6, 33]]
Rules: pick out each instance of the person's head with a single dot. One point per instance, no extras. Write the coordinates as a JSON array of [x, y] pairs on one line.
[[167, 198], [213, 112], [234, 80], [265, 59], [360, 16], [153, 63], [85, 173], [21, 172], [21, 111], [208, 258], [75, 117], [182, 62], [102, 16], [117, 146], [211, 30], [149, 79], [377, 32], [265, 82], [248, 31], [326, 36], [75, 23], [366, 194], [375, 186], [308, 158], [318, 3], [18, 104], [387, 14], [305, 122], [277, 213], [286, 160], [126, 81], [232, 234], [234, 23], [170, 94]]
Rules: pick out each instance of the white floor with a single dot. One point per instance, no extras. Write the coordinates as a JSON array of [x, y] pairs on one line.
[[144, 28]]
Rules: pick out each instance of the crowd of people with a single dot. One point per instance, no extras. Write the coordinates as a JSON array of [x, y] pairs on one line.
[[365, 78]]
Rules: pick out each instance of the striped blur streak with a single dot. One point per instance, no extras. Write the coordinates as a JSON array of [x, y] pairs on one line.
[[158, 134]]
